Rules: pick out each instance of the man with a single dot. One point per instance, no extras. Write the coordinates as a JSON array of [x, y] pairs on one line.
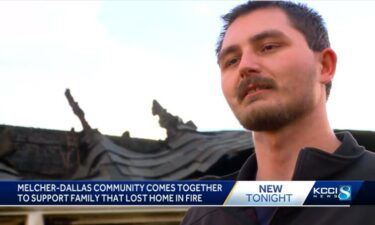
[[276, 70]]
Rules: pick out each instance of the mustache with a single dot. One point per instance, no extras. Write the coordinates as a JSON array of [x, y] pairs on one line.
[[254, 80]]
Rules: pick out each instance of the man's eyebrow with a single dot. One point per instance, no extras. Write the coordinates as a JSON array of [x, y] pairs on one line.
[[267, 34], [226, 51], [256, 38]]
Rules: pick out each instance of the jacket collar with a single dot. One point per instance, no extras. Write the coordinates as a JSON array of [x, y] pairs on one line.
[[313, 163]]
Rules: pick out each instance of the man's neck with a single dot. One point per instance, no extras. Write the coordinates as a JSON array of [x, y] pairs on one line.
[[277, 151]]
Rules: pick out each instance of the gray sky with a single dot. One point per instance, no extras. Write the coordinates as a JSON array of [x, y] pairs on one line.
[[116, 56]]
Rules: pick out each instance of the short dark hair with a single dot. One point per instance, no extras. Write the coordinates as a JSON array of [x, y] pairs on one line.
[[306, 20]]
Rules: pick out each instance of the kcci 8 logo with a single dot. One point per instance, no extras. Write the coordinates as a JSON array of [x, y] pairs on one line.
[[345, 193]]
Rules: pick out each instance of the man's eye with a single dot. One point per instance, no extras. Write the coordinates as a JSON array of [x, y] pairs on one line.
[[269, 47], [231, 62]]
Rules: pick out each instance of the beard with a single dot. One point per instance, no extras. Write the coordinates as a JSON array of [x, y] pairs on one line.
[[277, 116]]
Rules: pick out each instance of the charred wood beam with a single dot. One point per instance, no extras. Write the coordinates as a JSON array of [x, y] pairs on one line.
[[77, 110]]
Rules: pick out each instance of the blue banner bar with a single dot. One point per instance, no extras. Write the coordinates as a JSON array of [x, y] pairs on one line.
[[114, 192], [187, 193]]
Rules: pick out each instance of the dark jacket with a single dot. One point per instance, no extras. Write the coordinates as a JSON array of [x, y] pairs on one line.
[[349, 162]]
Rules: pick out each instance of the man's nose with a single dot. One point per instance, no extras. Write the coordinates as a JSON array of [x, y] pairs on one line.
[[249, 65]]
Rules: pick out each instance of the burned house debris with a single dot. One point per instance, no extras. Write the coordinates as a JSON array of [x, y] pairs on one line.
[[30, 153], [186, 153]]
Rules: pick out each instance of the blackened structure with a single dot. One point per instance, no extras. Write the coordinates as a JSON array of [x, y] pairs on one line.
[[30, 153]]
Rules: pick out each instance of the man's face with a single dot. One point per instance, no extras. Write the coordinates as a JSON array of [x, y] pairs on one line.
[[268, 73]]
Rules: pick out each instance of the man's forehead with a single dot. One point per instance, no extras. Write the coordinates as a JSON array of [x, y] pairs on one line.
[[257, 22]]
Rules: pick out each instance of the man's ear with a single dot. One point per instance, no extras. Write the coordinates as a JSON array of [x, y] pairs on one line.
[[328, 61]]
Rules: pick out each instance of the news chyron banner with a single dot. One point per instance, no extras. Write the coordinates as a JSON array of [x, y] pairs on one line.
[[187, 193]]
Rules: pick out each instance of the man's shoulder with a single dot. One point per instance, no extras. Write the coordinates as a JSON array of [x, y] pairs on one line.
[[212, 215], [369, 158], [364, 168]]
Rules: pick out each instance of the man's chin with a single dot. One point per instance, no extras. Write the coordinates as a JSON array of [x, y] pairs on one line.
[[251, 99], [259, 117], [256, 106]]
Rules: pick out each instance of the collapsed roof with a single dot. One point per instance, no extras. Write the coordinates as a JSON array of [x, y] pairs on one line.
[[30, 153]]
